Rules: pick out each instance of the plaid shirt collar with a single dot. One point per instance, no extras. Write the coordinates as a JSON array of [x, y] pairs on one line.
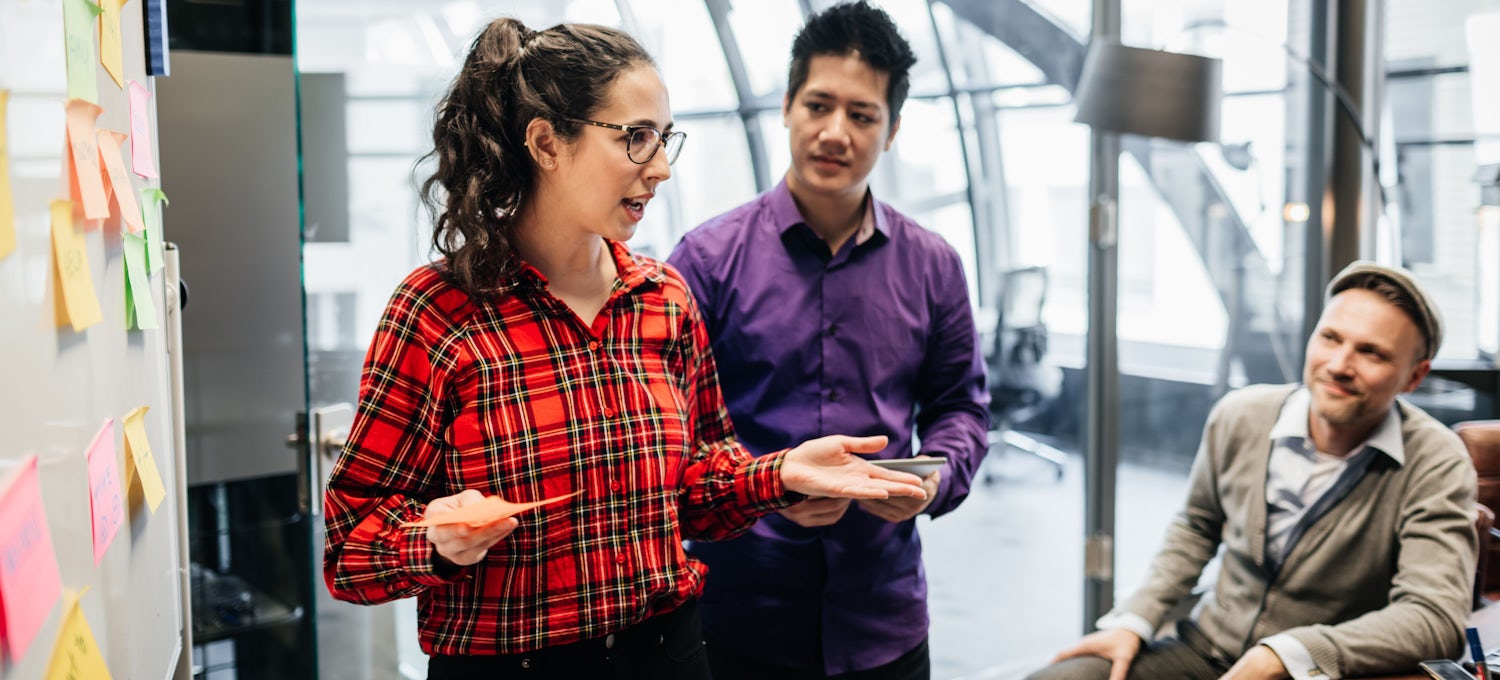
[[632, 270]]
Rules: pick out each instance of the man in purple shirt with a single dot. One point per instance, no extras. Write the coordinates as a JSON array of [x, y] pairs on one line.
[[831, 312]]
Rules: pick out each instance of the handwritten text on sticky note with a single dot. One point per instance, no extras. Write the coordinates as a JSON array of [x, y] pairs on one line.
[[108, 508], [29, 581]]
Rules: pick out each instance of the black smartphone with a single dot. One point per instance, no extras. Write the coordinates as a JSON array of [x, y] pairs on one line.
[[1445, 670]]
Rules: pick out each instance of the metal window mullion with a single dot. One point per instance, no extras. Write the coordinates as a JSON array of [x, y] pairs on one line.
[[1101, 453], [749, 107]]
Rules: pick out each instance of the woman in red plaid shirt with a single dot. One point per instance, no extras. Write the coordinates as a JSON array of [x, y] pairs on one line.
[[541, 358]]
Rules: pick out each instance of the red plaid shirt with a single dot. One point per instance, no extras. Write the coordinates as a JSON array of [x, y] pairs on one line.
[[519, 398]]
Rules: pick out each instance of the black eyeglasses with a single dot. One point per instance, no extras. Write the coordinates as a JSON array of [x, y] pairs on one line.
[[644, 140]]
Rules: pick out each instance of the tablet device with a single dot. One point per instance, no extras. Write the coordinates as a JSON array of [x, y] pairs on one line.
[[1445, 670], [920, 467]]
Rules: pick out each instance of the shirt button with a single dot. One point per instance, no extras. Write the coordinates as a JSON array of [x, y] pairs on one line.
[[833, 396], [833, 329], [614, 486], [619, 558], [593, 344], [609, 412]]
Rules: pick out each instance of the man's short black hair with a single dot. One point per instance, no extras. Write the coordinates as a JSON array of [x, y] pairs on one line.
[[855, 28]]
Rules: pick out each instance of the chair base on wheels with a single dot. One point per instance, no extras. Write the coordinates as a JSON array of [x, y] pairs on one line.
[[1023, 442]]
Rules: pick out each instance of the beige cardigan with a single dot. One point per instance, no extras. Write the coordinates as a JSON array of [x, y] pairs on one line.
[[1377, 584]]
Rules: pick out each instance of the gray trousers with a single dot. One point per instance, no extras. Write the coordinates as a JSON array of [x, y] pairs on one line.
[[1186, 657]]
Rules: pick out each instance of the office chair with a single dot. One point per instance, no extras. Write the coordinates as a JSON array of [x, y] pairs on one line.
[[1021, 384]]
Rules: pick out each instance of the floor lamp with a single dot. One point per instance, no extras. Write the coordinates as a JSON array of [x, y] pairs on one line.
[[1123, 90]]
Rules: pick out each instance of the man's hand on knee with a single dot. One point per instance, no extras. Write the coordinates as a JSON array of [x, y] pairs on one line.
[[1118, 646]]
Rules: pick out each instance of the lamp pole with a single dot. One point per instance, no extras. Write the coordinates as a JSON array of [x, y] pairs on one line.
[[1102, 373]]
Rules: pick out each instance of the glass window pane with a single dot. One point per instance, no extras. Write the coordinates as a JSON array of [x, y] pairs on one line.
[[1076, 16], [976, 58], [926, 159], [778, 142], [389, 126], [712, 175], [1443, 133], [1046, 159], [680, 35], [1250, 165], [927, 77], [764, 29], [1430, 34]]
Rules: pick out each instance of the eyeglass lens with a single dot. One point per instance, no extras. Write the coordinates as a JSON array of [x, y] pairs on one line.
[[645, 141]]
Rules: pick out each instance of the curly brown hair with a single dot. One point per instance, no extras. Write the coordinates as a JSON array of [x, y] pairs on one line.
[[484, 174]]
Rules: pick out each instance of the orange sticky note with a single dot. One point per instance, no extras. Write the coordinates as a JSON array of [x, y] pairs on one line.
[[141, 159], [111, 55], [76, 654], [105, 501], [72, 278], [114, 163], [138, 452], [87, 179], [491, 509], [29, 582], [7, 203]]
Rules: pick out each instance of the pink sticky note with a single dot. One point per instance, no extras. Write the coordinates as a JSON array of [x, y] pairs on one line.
[[104, 489], [29, 582], [109, 150], [88, 177], [141, 159]]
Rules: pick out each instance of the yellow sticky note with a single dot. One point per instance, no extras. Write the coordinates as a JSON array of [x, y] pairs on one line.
[[138, 450], [87, 179], [77, 655], [111, 55], [73, 283], [78, 37], [7, 204], [119, 179]]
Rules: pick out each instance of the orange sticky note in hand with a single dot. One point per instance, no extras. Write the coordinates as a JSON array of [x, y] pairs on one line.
[[491, 509]]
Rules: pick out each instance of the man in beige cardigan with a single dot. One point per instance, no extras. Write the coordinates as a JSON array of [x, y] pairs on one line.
[[1345, 516]]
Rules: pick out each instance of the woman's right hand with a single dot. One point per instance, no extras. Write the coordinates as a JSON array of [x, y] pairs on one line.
[[464, 544]]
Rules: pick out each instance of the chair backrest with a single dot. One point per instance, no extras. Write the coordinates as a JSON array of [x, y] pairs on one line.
[[1023, 293], [1020, 381], [1482, 439]]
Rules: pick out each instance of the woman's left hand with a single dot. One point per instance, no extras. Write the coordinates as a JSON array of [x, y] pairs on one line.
[[827, 467]]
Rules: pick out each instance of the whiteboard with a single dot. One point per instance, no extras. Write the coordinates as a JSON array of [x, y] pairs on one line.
[[60, 385]]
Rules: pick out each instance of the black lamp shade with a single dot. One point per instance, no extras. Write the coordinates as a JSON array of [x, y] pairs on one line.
[[1150, 92]]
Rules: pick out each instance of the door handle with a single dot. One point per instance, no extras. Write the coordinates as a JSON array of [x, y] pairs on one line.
[[320, 438]]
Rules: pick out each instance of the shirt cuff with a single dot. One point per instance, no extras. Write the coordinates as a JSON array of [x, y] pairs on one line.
[[1135, 623], [420, 560], [1294, 655], [763, 487]]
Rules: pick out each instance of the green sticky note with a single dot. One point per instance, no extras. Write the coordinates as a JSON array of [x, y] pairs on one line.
[[78, 37], [150, 198], [140, 307]]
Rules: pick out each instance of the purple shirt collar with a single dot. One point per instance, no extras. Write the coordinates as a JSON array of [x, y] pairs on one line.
[[785, 214]]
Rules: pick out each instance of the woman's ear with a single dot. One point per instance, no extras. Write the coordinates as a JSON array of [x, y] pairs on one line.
[[542, 143]]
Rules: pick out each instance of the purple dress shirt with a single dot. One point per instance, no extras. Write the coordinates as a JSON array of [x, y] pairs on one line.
[[873, 340]]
